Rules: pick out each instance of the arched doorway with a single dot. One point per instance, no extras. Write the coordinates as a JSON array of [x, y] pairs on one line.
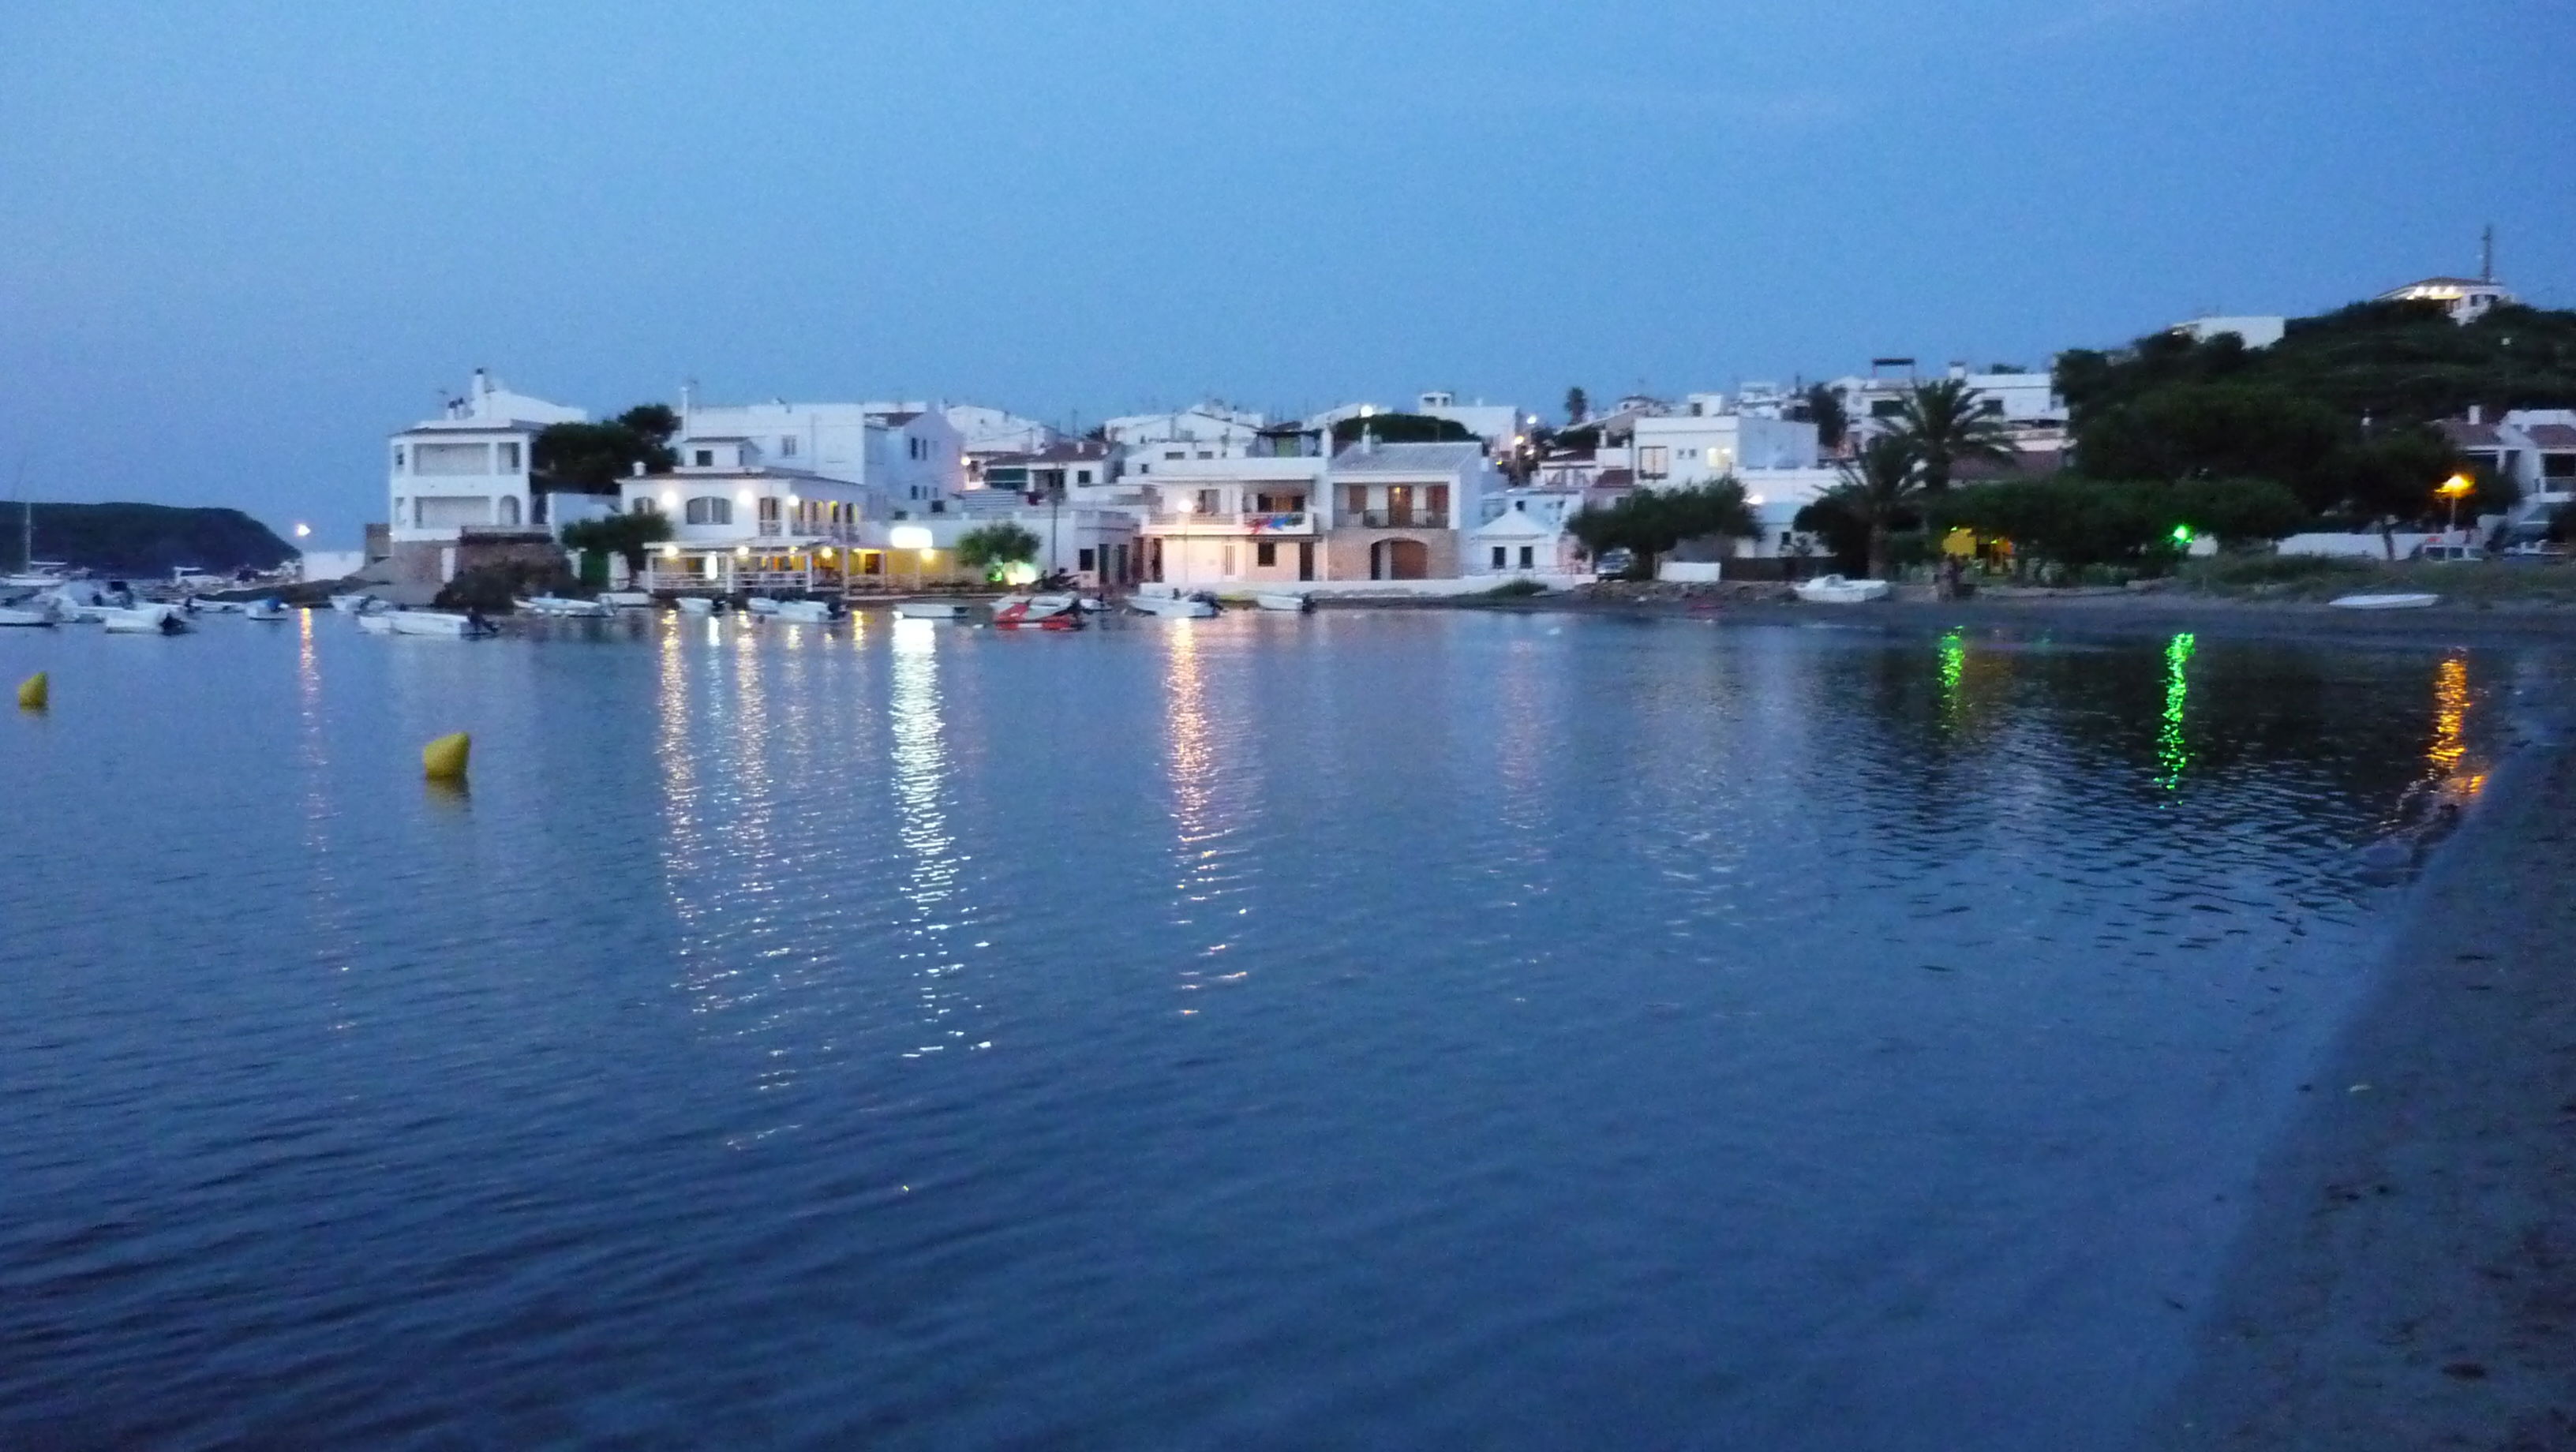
[[1399, 559]]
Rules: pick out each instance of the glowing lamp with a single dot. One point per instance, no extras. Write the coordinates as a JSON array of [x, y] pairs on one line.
[[304, 531], [2457, 486], [2182, 535]]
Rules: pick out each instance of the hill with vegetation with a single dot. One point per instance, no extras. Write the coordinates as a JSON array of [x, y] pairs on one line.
[[2339, 410], [141, 540]]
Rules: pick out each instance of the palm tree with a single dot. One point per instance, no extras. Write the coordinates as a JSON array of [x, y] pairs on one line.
[[1882, 483], [1943, 423]]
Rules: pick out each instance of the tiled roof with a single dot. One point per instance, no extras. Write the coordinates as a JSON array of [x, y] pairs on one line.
[[2552, 435], [2465, 435]]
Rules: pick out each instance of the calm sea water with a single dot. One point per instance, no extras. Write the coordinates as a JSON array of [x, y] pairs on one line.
[[1404, 1030]]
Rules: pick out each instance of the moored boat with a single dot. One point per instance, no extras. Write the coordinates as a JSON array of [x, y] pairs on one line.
[[761, 605], [808, 612], [929, 609], [20, 615], [145, 620], [1836, 590], [1287, 600], [564, 605], [1174, 607], [377, 622], [1038, 612], [627, 599], [699, 604], [269, 610], [2394, 600], [448, 623]]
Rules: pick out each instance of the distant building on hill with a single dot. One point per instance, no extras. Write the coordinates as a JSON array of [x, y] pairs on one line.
[[2466, 299]]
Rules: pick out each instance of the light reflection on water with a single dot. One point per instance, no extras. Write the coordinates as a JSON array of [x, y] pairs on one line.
[[1654, 1035]]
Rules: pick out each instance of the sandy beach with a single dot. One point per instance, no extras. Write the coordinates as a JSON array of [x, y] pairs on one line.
[[2407, 1275]]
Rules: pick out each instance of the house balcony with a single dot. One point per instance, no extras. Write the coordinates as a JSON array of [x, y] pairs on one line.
[[1393, 519], [1248, 523]]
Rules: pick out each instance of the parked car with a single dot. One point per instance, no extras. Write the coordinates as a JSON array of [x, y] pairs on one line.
[[2449, 552], [1613, 564], [2540, 551]]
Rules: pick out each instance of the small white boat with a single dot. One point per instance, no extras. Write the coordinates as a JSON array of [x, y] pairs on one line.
[[145, 620], [377, 622], [1173, 607], [19, 615], [627, 599], [219, 607], [698, 604], [2393, 601], [564, 605], [441, 622], [1836, 590], [269, 610], [806, 612], [761, 605], [351, 603], [1286, 600], [1038, 612], [929, 609]]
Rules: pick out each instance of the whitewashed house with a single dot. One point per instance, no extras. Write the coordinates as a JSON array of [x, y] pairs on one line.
[[1400, 511], [1245, 517], [1207, 431], [459, 483]]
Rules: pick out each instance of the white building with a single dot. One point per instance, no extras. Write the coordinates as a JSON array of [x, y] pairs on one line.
[[2466, 299], [462, 478], [1211, 519], [982, 430], [908, 453], [2016, 397], [1207, 431], [2534, 447], [1683, 449], [1498, 425], [1401, 511], [1522, 534]]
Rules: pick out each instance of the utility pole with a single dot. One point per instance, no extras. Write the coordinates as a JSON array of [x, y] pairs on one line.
[[2486, 255]]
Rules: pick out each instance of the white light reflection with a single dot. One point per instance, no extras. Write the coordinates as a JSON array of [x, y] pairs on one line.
[[935, 916], [1202, 814]]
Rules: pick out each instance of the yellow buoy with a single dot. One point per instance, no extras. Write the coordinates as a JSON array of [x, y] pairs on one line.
[[444, 759], [34, 692]]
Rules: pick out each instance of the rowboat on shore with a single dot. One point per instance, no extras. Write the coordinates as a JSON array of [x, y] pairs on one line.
[[2394, 600], [1836, 590]]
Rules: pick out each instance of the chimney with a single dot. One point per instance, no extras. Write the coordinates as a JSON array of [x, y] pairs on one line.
[[2477, 413]]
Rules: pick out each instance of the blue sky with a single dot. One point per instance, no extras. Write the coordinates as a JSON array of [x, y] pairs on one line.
[[244, 241]]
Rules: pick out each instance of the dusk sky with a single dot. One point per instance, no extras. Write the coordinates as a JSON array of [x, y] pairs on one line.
[[246, 241]]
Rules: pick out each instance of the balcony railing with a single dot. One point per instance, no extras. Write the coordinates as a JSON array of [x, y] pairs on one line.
[[1396, 518], [1259, 522]]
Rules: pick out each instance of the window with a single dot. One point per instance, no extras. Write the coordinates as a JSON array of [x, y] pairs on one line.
[[1886, 407], [452, 459], [1654, 461], [2557, 466], [1228, 566], [645, 505], [1174, 454], [1265, 553], [1082, 559], [1355, 499], [509, 458], [1991, 407], [1144, 468], [1207, 501], [768, 515], [1082, 476], [1498, 557], [786, 448], [709, 509], [398, 458], [1204, 454], [704, 458], [1529, 557], [509, 511]]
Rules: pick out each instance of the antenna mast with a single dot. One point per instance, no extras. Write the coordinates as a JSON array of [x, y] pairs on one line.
[[2486, 255]]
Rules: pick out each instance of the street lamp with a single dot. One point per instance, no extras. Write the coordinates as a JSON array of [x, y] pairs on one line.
[[2455, 489]]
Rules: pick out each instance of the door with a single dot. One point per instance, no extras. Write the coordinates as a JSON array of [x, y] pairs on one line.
[[1306, 560], [1399, 506]]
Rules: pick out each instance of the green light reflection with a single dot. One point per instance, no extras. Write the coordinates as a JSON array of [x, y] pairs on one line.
[[2172, 755]]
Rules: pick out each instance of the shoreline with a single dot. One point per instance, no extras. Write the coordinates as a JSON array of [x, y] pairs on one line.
[[2405, 1276], [2112, 614]]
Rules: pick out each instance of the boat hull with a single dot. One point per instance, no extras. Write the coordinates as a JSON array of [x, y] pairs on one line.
[[2394, 601], [1835, 590], [1173, 607], [1293, 604], [1038, 612], [439, 623], [929, 609]]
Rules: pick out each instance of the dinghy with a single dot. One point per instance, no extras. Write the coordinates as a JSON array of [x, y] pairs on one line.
[[351, 603], [377, 622], [807, 612], [698, 604], [268, 610], [1284, 600], [564, 605], [1835, 590], [761, 605], [627, 599], [929, 609], [19, 615]]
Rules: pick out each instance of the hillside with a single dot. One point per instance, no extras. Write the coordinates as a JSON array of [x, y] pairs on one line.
[[144, 540]]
